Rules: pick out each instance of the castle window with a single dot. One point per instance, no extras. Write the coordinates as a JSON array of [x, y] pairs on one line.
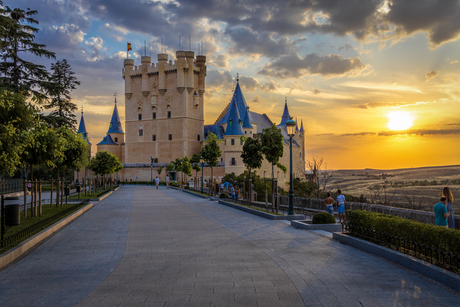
[[139, 116], [169, 114], [250, 132], [198, 137], [141, 132], [233, 141], [241, 142], [154, 138], [170, 137], [233, 161], [245, 132], [116, 140], [230, 122], [221, 159], [225, 142], [154, 115]]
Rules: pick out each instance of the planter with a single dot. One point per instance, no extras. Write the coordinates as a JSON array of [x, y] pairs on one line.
[[306, 224]]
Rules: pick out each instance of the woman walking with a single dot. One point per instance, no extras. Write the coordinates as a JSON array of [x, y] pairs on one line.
[[450, 201]]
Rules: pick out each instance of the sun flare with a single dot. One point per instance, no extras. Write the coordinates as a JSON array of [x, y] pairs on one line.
[[400, 120]]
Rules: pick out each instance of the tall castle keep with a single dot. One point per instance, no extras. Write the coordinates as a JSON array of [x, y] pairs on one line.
[[164, 107]]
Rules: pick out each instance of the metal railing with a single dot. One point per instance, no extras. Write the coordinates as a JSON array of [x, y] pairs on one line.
[[427, 253], [11, 185], [27, 232]]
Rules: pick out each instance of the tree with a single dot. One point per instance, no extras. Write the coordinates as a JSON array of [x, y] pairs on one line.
[[211, 152], [75, 151], [177, 166], [105, 163], [62, 83], [251, 154], [160, 169], [195, 161], [186, 167], [272, 142], [16, 73], [16, 117]]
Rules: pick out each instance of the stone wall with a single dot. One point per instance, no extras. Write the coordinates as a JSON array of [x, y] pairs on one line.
[[416, 215]]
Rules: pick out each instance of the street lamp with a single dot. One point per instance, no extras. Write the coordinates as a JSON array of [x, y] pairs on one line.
[[151, 169], [202, 165], [290, 126]]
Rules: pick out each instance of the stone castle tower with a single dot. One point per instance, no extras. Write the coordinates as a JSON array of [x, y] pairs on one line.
[[164, 111]]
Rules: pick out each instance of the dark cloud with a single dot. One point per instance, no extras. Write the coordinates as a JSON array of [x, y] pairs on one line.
[[420, 132], [249, 83], [358, 134], [218, 78], [219, 60], [316, 91], [373, 105], [293, 66], [431, 75], [270, 86], [256, 99]]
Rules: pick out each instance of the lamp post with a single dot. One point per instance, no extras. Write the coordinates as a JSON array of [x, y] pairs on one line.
[[202, 165], [151, 169], [290, 126]]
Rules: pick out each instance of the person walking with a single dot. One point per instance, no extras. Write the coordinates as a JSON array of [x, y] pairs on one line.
[[237, 192], [329, 203], [232, 192], [341, 206], [450, 201], [440, 212], [167, 181], [157, 181]]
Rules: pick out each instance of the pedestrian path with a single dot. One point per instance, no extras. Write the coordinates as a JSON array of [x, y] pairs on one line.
[[181, 250]]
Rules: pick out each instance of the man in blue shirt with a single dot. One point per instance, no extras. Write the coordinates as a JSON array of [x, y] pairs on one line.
[[341, 206], [440, 211]]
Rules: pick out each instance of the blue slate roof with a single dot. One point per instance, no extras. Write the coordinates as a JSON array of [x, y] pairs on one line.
[[247, 121], [234, 122], [301, 127], [115, 123], [285, 116], [107, 140], [82, 129], [217, 130]]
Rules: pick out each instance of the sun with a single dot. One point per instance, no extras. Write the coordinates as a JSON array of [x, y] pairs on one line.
[[400, 120]]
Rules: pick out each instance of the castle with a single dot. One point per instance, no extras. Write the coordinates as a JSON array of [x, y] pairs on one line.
[[164, 120]]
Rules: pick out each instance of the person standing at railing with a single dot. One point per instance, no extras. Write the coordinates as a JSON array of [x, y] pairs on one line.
[[440, 212], [329, 203], [450, 201], [341, 206]]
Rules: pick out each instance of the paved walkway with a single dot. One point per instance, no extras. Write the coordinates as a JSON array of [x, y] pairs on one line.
[[181, 250]]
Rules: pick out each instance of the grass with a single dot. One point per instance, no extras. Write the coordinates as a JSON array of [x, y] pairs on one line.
[[93, 195], [47, 212]]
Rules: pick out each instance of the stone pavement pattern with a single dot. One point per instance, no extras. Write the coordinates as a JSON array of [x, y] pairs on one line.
[[186, 251]]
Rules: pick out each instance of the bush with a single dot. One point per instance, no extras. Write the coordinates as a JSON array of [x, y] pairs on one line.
[[323, 218], [444, 239], [223, 195]]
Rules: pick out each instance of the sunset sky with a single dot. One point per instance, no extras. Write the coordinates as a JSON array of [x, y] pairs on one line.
[[376, 83]]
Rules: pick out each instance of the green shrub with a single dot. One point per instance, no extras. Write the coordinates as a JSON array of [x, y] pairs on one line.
[[323, 218], [440, 238], [223, 195]]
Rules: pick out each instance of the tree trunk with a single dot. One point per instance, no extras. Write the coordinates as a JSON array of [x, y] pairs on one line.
[[211, 184], [58, 187]]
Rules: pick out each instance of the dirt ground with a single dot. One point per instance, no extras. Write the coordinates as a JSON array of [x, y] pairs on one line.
[[415, 188]]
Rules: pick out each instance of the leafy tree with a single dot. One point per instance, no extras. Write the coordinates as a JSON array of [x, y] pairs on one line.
[[303, 188], [16, 117], [62, 83], [186, 167], [251, 154], [195, 161], [170, 167], [178, 165], [16, 73], [75, 151], [160, 169], [105, 163], [211, 151], [45, 146], [272, 146]]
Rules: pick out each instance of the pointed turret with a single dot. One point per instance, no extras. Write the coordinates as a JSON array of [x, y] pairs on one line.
[[115, 123], [82, 129], [234, 122], [301, 127], [286, 115], [247, 120]]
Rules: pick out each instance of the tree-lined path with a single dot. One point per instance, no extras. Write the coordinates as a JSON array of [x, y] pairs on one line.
[[180, 250]]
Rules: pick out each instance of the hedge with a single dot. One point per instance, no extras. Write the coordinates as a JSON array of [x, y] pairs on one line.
[[440, 238]]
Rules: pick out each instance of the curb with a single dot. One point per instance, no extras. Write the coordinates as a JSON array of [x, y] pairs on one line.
[[325, 227], [263, 214], [23, 247], [195, 194], [438, 274]]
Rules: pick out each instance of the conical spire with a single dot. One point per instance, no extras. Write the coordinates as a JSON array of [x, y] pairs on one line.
[[234, 122], [115, 123], [286, 115], [301, 127], [247, 120], [82, 128]]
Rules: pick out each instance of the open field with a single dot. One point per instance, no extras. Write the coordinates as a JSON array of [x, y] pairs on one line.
[[416, 188]]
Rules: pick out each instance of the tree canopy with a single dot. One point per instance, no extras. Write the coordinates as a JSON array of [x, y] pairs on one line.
[[272, 146], [105, 163], [251, 154]]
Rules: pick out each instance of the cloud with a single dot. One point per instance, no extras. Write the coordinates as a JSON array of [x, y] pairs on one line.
[[332, 65], [420, 132], [256, 99], [358, 134], [430, 75], [219, 60], [316, 91], [218, 78], [270, 86], [61, 39], [249, 83]]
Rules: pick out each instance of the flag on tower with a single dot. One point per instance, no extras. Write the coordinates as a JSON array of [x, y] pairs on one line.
[[129, 46]]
